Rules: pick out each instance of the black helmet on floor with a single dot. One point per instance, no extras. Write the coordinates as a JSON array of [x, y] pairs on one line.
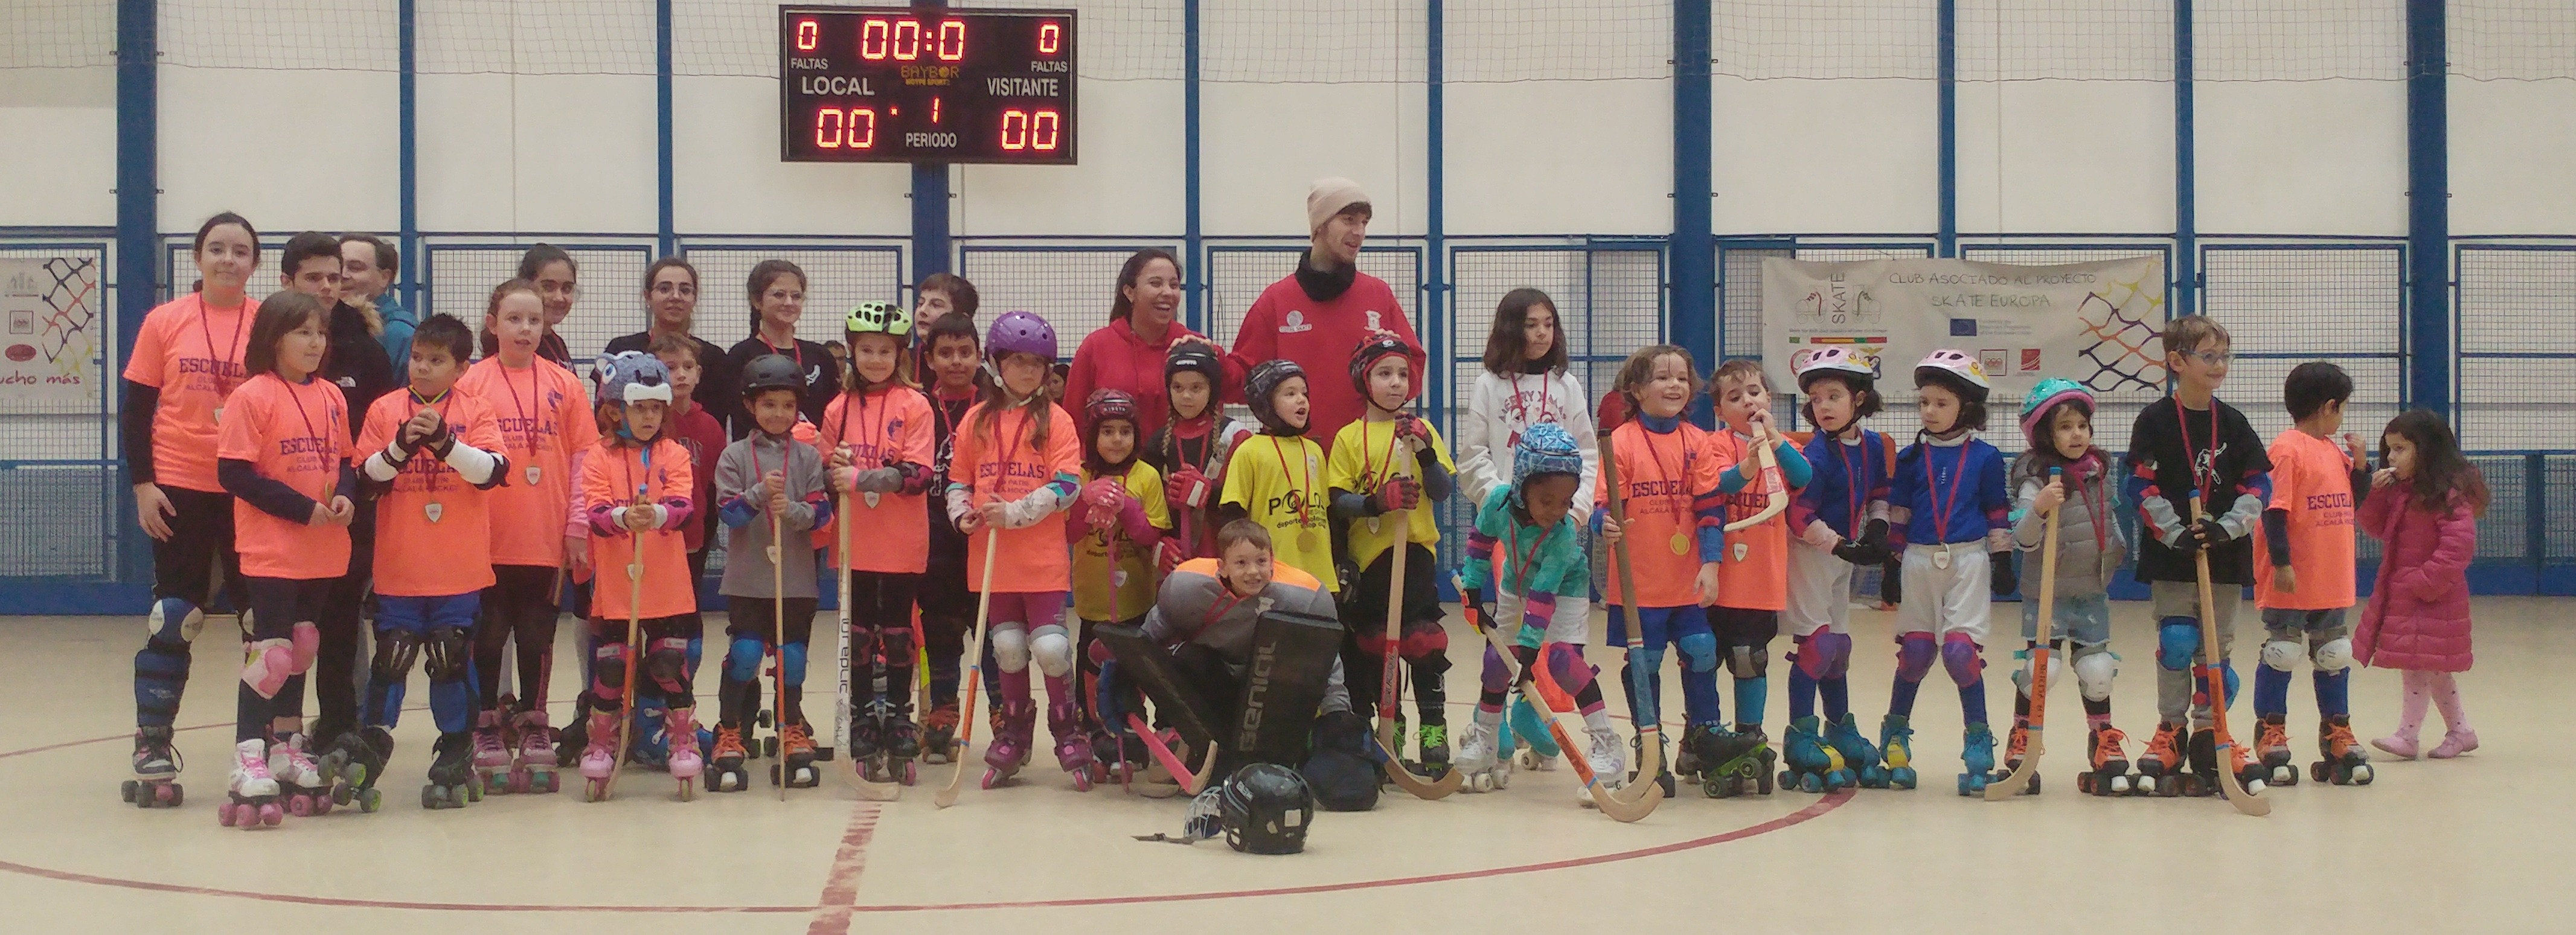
[[1265, 809], [772, 372]]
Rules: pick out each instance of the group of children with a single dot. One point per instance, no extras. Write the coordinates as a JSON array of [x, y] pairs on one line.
[[943, 469]]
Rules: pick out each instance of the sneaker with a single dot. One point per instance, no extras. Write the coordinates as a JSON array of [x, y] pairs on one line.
[[2455, 742]]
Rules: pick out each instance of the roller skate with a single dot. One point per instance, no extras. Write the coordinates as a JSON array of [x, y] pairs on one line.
[[900, 748], [534, 768], [2272, 746], [2455, 741], [451, 773], [598, 753], [2160, 768], [2204, 779], [725, 772], [2344, 763], [492, 759], [251, 795], [1014, 727], [1813, 766], [300, 784], [1607, 755], [939, 735], [1536, 748], [1072, 745], [2016, 748], [2105, 750], [1481, 759], [681, 730], [1896, 752], [796, 758], [1859, 755], [156, 771], [359, 759], [1977, 758], [1729, 763]]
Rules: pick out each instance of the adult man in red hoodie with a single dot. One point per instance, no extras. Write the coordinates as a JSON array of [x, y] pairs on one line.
[[1326, 308]]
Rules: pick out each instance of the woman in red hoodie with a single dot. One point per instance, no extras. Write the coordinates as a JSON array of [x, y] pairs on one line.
[[1128, 353]]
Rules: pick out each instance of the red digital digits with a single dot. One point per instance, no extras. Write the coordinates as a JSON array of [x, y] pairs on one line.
[[808, 32], [1040, 130], [850, 128], [902, 40], [1050, 38]]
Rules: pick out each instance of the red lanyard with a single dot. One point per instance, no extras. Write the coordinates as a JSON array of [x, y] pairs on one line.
[[2184, 423], [1521, 564], [1305, 471], [224, 375], [1368, 464], [1002, 455], [527, 420], [1545, 386], [794, 351], [1932, 477], [1663, 474], [860, 401], [333, 454]]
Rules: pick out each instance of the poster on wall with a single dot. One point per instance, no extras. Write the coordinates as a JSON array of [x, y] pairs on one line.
[[2094, 323], [49, 335]]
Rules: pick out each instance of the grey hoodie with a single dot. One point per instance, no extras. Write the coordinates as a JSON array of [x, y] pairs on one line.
[[2090, 547]]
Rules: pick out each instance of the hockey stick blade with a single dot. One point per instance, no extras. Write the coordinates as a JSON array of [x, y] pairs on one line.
[[1611, 806], [2040, 656], [1428, 790], [2213, 674], [1191, 782]]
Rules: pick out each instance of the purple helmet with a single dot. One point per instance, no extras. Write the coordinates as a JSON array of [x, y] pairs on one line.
[[1020, 333]]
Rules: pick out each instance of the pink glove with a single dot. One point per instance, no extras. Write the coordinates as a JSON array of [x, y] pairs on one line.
[[1412, 429], [1185, 489], [1168, 555]]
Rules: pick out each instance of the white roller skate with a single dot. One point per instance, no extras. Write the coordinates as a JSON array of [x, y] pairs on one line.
[[1607, 757], [251, 795], [1480, 759], [301, 786]]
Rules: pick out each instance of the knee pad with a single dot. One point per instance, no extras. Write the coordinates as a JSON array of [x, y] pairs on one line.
[[2176, 639], [271, 662], [1699, 652], [160, 678], [2334, 655], [1653, 659], [1053, 652], [1824, 654], [447, 652], [742, 659], [1914, 653], [396, 651], [1566, 667], [174, 622], [791, 665], [304, 644], [1426, 643], [899, 649], [608, 670], [2021, 669], [1371, 640], [2281, 654], [1496, 677], [2094, 671], [697, 650], [668, 661], [1748, 662], [1965, 660], [1011, 649]]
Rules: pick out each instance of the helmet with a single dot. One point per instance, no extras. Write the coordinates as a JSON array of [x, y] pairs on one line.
[[2044, 398], [880, 318], [1108, 404], [632, 377], [1194, 357], [1956, 370], [1544, 449], [1265, 809], [772, 372], [1020, 333], [1380, 344], [1261, 383], [1861, 369]]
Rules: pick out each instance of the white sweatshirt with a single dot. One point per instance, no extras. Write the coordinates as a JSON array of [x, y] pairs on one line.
[[1499, 407]]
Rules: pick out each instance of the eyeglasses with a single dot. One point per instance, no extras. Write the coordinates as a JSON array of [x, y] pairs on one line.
[[2212, 358]]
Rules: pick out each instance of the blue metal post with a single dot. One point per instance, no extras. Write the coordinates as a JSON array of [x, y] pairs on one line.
[[1193, 234], [138, 214], [407, 98], [930, 240], [2428, 206], [1947, 112], [1694, 246], [667, 233], [2182, 298], [1435, 287]]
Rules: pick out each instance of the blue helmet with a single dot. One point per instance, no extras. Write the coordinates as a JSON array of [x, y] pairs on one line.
[[1544, 448]]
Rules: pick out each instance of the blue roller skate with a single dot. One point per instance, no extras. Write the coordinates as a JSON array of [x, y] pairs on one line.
[[1813, 766], [1979, 759], [1527, 726], [1896, 756], [1845, 737]]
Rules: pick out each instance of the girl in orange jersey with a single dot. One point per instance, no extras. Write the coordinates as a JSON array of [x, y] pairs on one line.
[[186, 359], [284, 456], [637, 483], [1013, 475], [428, 456], [877, 434], [545, 419]]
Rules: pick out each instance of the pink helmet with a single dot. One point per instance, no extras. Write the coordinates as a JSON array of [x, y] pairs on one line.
[[1957, 369], [1825, 361]]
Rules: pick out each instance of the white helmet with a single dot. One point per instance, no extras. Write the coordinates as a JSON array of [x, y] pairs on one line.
[[1833, 360], [1957, 369]]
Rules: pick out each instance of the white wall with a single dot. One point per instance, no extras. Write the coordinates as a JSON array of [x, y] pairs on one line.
[[541, 153], [1813, 156], [2065, 157], [1262, 144], [60, 124], [1560, 157], [2509, 168], [2304, 157], [291, 150], [1129, 180]]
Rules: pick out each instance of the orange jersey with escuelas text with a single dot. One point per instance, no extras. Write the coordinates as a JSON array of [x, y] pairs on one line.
[[889, 532], [617, 474], [2312, 480], [1755, 574], [433, 530], [297, 435], [1665, 478], [1002, 462], [193, 355], [544, 417]]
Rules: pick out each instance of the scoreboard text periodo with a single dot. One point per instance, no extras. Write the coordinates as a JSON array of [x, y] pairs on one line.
[[922, 84]]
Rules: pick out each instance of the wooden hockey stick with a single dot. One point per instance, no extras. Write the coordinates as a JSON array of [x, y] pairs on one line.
[[1390, 697], [1649, 721], [778, 638], [634, 634], [1523, 681], [1765, 462], [2020, 780], [2215, 676], [947, 795]]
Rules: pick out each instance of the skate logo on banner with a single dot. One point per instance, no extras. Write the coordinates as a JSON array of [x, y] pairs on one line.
[[1295, 323]]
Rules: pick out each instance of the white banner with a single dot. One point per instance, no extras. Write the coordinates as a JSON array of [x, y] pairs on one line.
[[2094, 323], [51, 312]]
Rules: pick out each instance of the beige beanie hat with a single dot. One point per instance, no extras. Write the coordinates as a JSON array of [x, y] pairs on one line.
[[1329, 197]]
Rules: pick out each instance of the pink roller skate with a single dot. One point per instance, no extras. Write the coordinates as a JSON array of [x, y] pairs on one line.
[[301, 786], [251, 797], [1014, 723], [1073, 750], [599, 753], [681, 726], [491, 755], [535, 769]]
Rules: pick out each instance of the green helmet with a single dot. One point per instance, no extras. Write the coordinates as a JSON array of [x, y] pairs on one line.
[[2046, 396], [880, 318]]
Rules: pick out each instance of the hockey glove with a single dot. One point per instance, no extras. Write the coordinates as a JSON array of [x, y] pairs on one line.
[[1857, 553], [1401, 493]]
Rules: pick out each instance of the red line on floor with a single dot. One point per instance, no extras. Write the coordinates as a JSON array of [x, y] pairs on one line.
[[841, 886]]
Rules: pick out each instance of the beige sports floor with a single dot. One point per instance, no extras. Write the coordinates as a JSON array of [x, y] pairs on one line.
[[2480, 844]]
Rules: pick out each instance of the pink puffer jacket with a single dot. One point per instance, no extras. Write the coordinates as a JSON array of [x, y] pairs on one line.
[[2418, 617]]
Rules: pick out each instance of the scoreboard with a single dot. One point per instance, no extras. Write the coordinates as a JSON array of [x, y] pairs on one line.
[[926, 84]]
